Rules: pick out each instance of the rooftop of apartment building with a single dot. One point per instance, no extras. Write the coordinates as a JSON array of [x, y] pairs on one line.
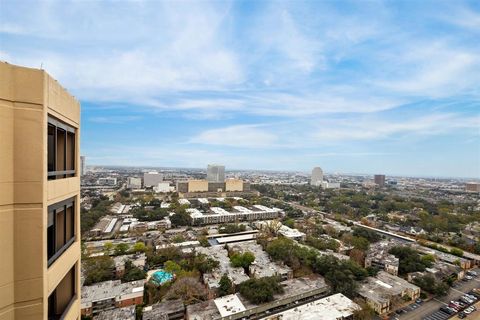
[[379, 251], [138, 260], [237, 275], [162, 310], [262, 266], [126, 313], [112, 289], [333, 307], [383, 286], [223, 307]]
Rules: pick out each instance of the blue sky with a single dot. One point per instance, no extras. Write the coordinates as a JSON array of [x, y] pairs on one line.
[[366, 86]]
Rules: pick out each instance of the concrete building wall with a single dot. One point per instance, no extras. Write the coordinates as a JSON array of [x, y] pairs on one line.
[[151, 179], [27, 97], [197, 186], [233, 185]]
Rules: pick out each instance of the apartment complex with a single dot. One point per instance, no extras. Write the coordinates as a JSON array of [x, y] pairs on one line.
[[39, 197]]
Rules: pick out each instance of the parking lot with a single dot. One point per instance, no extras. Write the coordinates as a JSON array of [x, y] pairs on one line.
[[430, 310]]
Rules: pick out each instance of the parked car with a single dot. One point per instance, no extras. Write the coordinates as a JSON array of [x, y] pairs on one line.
[[462, 315], [419, 301], [447, 310]]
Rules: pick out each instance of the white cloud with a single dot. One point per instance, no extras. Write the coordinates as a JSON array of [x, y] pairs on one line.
[[246, 136]]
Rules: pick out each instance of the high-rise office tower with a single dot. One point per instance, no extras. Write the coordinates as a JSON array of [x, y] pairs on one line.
[[83, 165], [379, 179], [317, 176], [215, 173], [39, 197]]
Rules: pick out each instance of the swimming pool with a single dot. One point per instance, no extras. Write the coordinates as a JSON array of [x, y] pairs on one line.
[[161, 276]]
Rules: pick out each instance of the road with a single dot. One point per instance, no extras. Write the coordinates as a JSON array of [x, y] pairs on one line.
[[433, 305]]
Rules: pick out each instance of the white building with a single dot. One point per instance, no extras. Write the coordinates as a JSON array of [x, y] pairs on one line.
[[317, 176], [333, 307], [152, 179], [215, 173], [163, 187], [134, 183], [330, 185]]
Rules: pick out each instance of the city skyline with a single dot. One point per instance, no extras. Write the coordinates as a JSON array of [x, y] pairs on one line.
[[350, 87]]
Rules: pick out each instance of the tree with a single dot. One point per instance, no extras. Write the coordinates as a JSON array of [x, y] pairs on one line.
[[365, 312], [428, 283], [410, 260], [121, 249], [226, 286], [189, 289], [243, 260], [260, 290], [107, 247], [139, 247], [370, 235], [289, 223], [172, 267], [457, 252], [205, 264], [232, 228], [181, 219], [98, 269], [132, 272]]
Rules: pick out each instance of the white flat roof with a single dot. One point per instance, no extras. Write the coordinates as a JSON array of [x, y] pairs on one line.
[[229, 305], [333, 307], [241, 237]]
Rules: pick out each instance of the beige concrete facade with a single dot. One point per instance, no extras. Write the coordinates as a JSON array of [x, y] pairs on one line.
[[27, 98], [234, 185], [197, 186]]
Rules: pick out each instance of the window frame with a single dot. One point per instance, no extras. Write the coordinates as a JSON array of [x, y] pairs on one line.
[[60, 174], [53, 296], [53, 210]]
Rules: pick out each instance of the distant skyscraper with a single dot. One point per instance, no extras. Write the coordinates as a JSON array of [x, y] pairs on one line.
[[215, 173], [379, 179], [317, 176], [83, 165]]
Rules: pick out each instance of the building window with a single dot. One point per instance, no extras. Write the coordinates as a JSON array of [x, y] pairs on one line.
[[61, 150], [61, 298], [60, 229]]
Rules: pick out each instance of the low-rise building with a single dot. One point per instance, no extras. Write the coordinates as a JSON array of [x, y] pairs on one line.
[[109, 295], [441, 271], [109, 181], [378, 256], [217, 215], [126, 313], [138, 260], [262, 266], [297, 291], [165, 310], [212, 279], [384, 290], [445, 257], [333, 307]]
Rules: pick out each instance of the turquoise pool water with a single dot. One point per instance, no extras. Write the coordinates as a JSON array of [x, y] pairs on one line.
[[162, 276]]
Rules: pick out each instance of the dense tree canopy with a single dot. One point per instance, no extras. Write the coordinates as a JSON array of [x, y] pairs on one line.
[[260, 290], [410, 260]]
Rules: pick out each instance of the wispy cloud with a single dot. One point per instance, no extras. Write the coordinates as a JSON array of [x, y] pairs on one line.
[[115, 119]]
